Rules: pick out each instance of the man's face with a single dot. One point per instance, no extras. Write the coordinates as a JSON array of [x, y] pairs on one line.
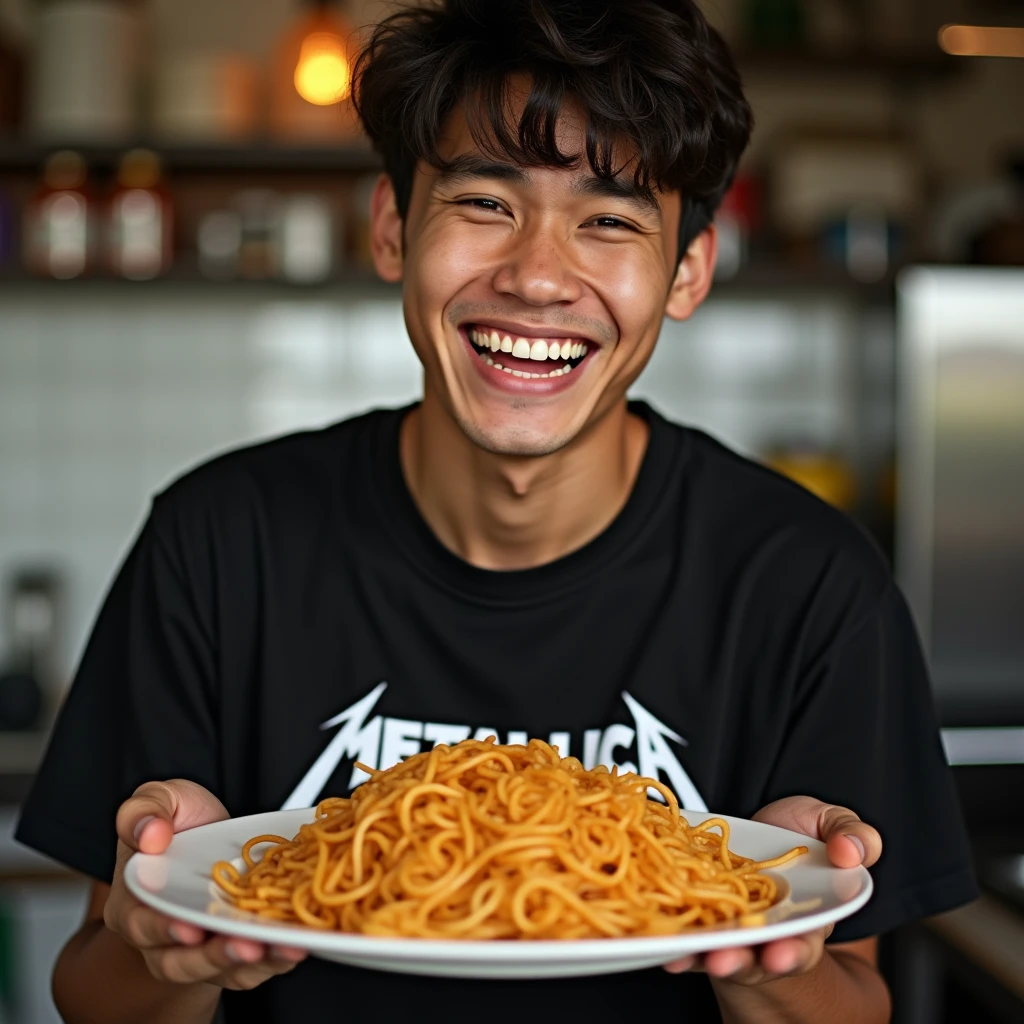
[[533, 296]]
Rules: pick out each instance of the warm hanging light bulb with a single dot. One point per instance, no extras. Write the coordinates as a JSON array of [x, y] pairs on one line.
[[311, 96], [322, 74]]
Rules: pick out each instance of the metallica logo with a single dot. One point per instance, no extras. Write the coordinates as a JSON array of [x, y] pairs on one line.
[[382, 742]]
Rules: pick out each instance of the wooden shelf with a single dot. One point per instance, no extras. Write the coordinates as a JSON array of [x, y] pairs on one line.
[[345, 281], [756, 279], [17, 155]]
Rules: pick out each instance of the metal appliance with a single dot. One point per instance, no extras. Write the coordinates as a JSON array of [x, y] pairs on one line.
[[960, 514]]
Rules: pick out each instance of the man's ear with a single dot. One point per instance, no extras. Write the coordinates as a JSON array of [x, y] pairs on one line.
[[694, 275], [386, 231]]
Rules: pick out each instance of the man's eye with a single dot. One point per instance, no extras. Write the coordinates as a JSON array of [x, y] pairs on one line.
[[492, 205], [612, 222]]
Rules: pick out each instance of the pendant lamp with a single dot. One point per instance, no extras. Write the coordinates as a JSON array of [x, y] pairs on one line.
[[311, 98]]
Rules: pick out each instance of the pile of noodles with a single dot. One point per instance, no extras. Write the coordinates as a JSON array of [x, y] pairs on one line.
[[481, 841]]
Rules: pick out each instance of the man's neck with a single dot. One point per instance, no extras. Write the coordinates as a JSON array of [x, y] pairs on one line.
[[506, 512]]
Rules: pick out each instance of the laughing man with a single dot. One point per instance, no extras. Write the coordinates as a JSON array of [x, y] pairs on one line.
[[523, 552]]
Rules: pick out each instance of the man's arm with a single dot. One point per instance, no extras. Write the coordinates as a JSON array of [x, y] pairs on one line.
[[128, 963], [843, 988], [800, 979], [100, 977]]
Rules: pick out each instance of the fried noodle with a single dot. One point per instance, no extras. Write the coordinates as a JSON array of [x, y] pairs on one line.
[[481, 841]]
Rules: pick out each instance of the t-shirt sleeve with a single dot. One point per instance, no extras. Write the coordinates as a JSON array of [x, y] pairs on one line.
[[863, 735], [141, 708]]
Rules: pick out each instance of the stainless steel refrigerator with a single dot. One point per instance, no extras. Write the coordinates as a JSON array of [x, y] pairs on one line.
[[960, 505]]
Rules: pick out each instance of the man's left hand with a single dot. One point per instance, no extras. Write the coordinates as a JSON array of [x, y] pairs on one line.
[[850, 842]]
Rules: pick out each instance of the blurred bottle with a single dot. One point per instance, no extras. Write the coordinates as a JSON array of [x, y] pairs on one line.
[[865, 241], [84, 70], [737, 219], [28, 672], [312, 79], [140, 218], [305, 239], [219, 241], [259, 213], [59, 220]]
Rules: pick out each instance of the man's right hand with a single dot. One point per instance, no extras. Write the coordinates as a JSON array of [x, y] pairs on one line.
[[174, 950]]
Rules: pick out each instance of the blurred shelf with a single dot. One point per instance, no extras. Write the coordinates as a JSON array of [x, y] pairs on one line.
[[770, 276], [345, 281], [756, 279], [20, 155], [921, 62]]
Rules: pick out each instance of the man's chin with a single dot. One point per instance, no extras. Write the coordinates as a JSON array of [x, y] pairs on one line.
[[513, 440]]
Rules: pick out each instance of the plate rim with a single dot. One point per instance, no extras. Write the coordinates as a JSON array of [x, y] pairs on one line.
[[481, 952]]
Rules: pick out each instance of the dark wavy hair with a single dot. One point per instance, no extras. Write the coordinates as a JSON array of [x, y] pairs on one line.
[[650, 74]]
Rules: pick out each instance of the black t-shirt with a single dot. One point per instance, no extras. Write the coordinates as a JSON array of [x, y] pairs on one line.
[[286, 611]]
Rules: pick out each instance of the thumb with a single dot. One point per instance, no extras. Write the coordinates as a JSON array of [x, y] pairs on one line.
[[850, 841], [148, 819]]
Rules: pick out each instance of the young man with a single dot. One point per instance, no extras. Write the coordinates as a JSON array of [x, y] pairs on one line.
[[521, 553]]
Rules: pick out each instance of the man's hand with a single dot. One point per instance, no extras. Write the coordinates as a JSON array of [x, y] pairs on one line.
[[173, 950], [850, 842]]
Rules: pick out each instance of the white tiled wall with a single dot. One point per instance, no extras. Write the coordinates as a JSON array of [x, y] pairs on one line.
[[107, 392]]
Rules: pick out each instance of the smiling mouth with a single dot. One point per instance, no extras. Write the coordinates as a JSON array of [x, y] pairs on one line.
[[534, 358]]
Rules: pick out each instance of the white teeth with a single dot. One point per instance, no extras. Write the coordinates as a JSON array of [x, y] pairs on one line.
[[524, 374], [539, 350], [523, 348]]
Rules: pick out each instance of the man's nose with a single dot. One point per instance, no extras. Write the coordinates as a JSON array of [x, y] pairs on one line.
[[538, 269]]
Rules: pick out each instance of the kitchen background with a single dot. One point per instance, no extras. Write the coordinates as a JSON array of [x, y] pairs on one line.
[[183, 268]]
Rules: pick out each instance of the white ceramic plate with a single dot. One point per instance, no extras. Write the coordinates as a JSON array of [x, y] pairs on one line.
[[178, 883]]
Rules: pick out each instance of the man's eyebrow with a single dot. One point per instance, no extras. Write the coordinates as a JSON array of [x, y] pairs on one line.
[[470, 165], [617, 188]]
